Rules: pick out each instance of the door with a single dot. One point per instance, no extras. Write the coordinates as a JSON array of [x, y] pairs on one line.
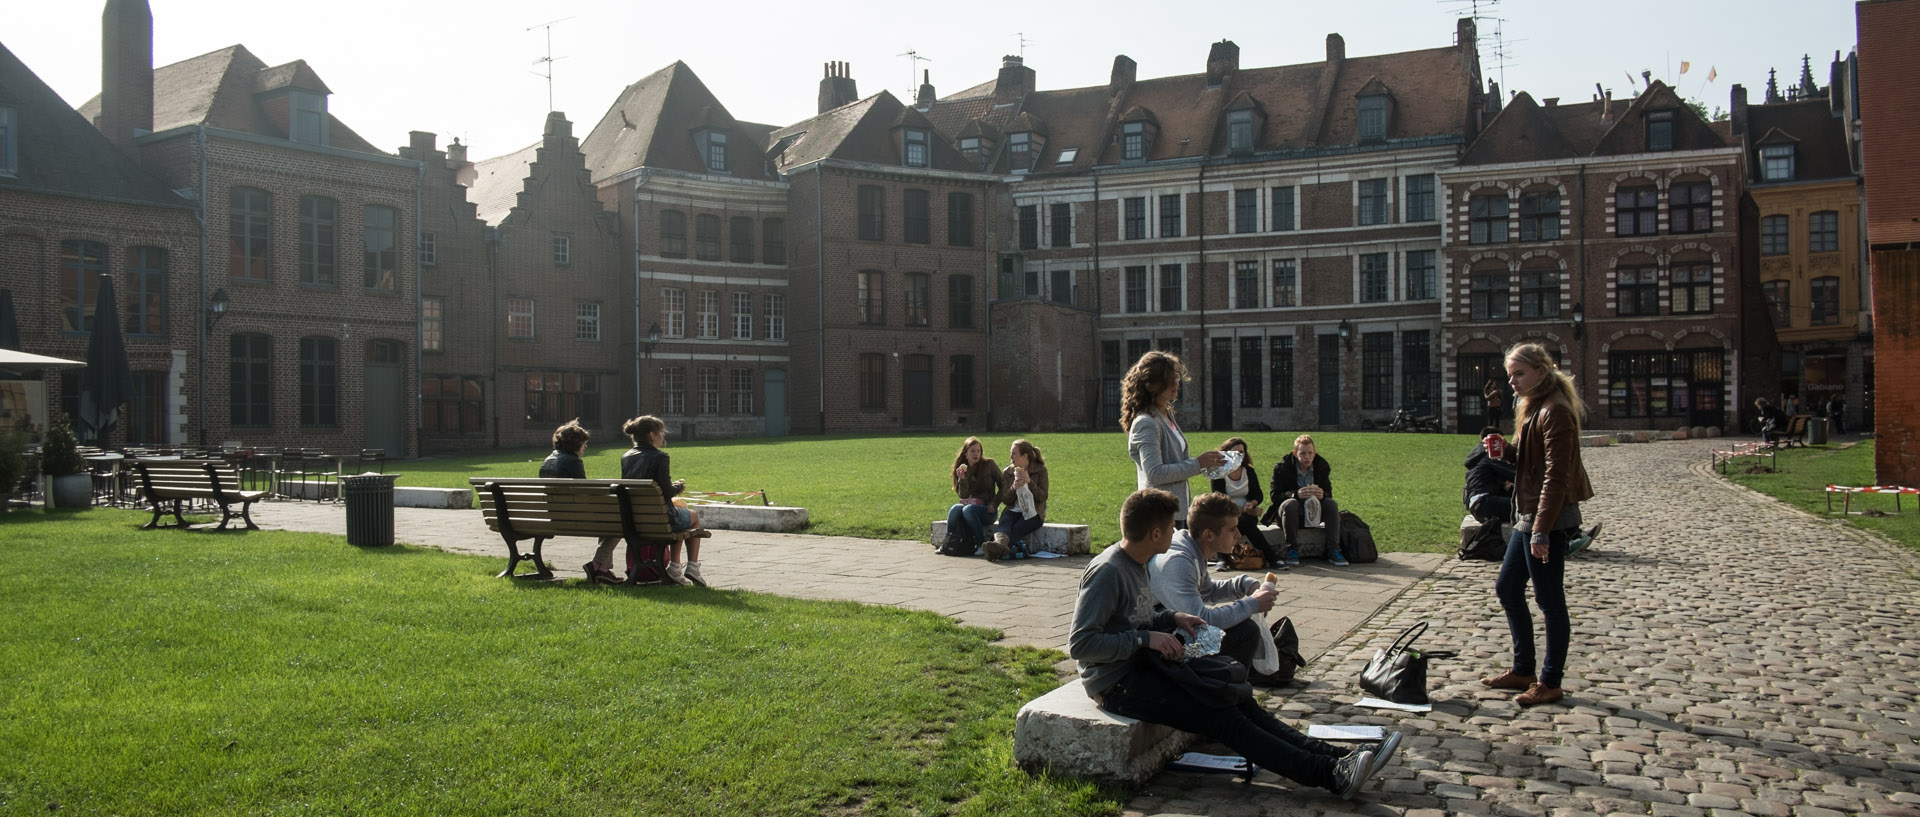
[[776, 403], [1221, 375], [384, 409], [1329, 380], [1470, 391], [917, 387]]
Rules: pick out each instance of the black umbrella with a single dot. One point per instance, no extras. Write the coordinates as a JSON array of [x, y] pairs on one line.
[[9, 325], [108, 379]]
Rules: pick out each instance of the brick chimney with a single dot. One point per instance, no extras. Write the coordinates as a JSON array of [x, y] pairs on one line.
[[924, 99], [1015, 81], [1121, 80], [1738, 115], [421, 143], [1223, 59], [126, 71], [1336, 48], [837, 88]]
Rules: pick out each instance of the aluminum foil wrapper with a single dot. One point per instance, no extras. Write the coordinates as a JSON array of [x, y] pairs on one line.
[[1205, 641]]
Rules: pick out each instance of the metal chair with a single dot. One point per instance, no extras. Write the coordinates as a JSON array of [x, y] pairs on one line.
[[373, 460]]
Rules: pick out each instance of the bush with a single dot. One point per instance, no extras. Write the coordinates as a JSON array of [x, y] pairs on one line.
[[58, 455]]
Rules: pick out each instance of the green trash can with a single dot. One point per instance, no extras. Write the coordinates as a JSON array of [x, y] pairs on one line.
[[1816, 431], [369, 499]]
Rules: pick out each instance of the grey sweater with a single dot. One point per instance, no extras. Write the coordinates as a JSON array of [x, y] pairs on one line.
[[1111, 617], [1181, 583]]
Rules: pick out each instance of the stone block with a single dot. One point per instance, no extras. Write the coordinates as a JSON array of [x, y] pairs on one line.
[[1065, 733], [1713, 431], [1068, 540], [1679, 434], [1596, 440], [439, 498], [1663, 436], [1643, 436], [774, 518]]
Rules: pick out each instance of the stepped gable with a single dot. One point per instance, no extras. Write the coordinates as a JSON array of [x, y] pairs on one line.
[[1809, 124], [63, 153], [652, 122], [221, 89], [498, 181]]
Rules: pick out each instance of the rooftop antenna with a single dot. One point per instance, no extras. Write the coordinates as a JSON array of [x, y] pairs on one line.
[[1024, 42], [1493, 46], [549, 59], [913, 70]]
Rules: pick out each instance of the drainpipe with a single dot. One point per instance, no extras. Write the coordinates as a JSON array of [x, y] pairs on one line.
[[491, 237], [646, 175], [200, 309], [820, 282], [1205, 351], [988, 282], [419, 300], [1099, 280], [1581, 364]]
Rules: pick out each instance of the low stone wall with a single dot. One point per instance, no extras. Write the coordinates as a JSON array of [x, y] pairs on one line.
[[1068, 540], [772, 518]]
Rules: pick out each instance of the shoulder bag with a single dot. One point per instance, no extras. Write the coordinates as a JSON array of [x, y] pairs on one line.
[[1399, 672]]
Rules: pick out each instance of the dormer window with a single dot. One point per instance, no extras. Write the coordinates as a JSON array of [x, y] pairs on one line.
[[9, 152], [308, 123], [1240, 131], [916, 148], [1019, 152], [1660, 130], [1373, 118], [1776, 163], [970, 144], [1133, 141], [713, 149]]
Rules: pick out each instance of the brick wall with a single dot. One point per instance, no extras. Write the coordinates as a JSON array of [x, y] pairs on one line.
[[1045, 376], [1896, 396]]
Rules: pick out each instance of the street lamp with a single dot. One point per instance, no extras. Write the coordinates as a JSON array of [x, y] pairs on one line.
[[1579, 322], [1346, 333], [653, 339], [216, 306]]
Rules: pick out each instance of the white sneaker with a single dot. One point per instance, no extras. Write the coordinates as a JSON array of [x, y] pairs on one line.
[[678, 573], [693, 573]]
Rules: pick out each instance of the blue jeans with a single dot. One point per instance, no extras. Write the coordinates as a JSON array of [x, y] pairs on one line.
[[1549, 591], [971, 521], [1248, 728], [1018, 527]]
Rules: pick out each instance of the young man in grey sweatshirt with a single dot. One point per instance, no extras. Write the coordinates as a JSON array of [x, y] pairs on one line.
[[1181, 583], [1115, 627]]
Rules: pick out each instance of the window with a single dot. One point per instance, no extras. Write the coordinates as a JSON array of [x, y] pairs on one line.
[[1170, 216], [1773, 235], [1636, 211], [1061, 291], [1136, 218], [1416, 372], [429, 250], [1170, 288], [773, 238], [919, 299], [740, 240], [742, 391], [716, 152], [916, 153], [1823, 231], [9, 142], [1246, 211], [960, 381], [1137, 347], [960, 219], [1539, 216], [1660, 130], [1020, 152], [1825, 301], [432, 325], [1032, 278], [775, 314], [452, 405], [309, 118], [319, 382], [1667, 384], [1373, 118], [249, 222], [1420, 197], [970, 144], [1286, 282], [708, 379], [919, 210], [1252, 383], [1776, 163], [1489, 219], [743, 316], [81, 265], [1060, 224], [1240, 131], [1007, 277], [250, 381], [319, 224], [706, 237], [1376, 277], [1136, 286], [1029, 226], [1246, 284], [586, 322], [673, 234], [1067, 156], [1133, 141], [1638, 291], [873, 297], [1373, 202], [556, 397], [1172, 346], [873, 382], [1691, 290], [707, 318], [1488, 298], [1376, 370], [673, 390], [1779, 302], [519, 317], [1690, 207], [1283, 209], [1280, 371], [1422, 280], [1539, 293], [146, 292], [872, 214], [960, 302], [382, 246], [673, 313], [562, 249]]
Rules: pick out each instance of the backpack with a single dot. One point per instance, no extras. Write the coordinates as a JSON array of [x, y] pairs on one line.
[[1286, 641], [1356, 539], [1484, 543], [955, 545]]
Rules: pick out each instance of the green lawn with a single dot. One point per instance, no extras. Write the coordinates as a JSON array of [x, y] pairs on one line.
[[1804, 474], [173, 673], [1406, 486]]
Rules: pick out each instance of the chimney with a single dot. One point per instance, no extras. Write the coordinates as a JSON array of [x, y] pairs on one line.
[[420, 143], [1550, 102], [1222, 59], [837, 88], [456, 154], [1015, 81], [558, 127], [1606, 106], [1336, 48], [1466, 35], [1739, 112], [1837, 89], [924, 99], [126, 71], [1121, 80]]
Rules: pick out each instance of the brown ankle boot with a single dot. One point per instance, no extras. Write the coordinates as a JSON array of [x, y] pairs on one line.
[[1509, 680], [1539, 694]]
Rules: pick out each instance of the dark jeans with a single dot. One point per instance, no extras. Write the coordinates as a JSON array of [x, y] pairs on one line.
[[1250, 528], [1493, 508], [1018, 527], [1292, 513], [1247, 728], [972, 521], [1549, 592]]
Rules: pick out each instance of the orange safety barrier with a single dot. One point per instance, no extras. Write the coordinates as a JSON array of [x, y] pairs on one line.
[[1847, 493]]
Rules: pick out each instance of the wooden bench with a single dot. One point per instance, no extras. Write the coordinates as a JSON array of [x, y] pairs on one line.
[[177, 481], [1795, 434], [540, 509]]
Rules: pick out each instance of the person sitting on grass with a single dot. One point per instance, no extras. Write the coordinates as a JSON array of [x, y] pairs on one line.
[[1242, 485], [1181, 583], [647, 461], [1023, 502], [976, 480], [1303, 497], [569, 444], [1114, 625]]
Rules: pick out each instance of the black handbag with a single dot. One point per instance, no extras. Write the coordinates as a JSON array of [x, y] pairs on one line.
[[1399, 672]]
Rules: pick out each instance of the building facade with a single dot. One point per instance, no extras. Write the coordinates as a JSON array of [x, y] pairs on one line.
[[1889, 123]]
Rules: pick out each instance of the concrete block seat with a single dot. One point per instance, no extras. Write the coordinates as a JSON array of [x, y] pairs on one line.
[[1065, 733], [776, 518], [1312, 541], [1068, 540]]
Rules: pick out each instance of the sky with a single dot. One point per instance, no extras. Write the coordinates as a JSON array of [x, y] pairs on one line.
[[472, 69]]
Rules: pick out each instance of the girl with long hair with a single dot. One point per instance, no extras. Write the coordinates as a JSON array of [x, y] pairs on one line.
[[1154, 439], [976, 481], [1023, 501]]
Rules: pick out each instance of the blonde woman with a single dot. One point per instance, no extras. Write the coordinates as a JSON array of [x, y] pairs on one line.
[[1154, 439], [1549, 484]]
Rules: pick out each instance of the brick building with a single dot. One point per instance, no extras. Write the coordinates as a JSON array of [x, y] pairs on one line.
[[1890, 142], [459, 343]]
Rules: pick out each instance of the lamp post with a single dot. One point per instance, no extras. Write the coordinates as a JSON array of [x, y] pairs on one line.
[[1346, 333], [216, 307], [1579, 322]]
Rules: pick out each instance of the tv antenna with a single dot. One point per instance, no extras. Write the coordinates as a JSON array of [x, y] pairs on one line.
[[913, 70], [1494, 45], [1024, 42], [547, 61]]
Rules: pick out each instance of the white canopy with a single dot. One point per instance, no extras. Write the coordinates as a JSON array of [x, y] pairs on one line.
[[14, 361]]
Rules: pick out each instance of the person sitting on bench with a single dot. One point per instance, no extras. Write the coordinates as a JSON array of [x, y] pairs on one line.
[[646, 461], [569, 443], [1489, 492], [1773, 421], [1181, 583]]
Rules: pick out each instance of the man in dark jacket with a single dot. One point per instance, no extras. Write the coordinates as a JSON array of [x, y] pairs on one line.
[[1489, 491], [1301, 476]]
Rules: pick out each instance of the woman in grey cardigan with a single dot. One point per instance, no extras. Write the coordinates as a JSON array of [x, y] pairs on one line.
[[1154, 440]]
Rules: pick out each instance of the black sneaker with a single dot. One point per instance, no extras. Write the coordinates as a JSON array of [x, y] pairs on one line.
[[1383, 753], [1350, 773]]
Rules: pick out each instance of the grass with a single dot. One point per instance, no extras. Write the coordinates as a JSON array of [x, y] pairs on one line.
[[1804, 473], [1406, 486], [282, 673]]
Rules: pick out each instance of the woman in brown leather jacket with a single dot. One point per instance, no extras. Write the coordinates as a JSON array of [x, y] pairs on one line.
[[1549, 484], [977, 484]]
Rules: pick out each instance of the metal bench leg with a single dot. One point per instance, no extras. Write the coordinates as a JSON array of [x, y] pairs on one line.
[[543, 571], [246, 515]]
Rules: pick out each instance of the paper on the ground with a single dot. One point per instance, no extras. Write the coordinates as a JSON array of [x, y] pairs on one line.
[[1202, 762], [1376, 703], [1045, 554], [1341, 731]]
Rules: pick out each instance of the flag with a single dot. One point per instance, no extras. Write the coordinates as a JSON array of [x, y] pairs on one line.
[[1711, 73], [1684, 65]]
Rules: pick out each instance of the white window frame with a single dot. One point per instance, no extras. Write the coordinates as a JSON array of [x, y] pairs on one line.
[[562, 249], [707, 379], [673, 313], [433, 313], [742, 383], [586, 322], [743, 316], [775, 315], [429, 249], [520, 309], [707, 314]]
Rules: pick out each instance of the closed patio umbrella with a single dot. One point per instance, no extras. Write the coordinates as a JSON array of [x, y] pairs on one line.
[[108, 379]]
